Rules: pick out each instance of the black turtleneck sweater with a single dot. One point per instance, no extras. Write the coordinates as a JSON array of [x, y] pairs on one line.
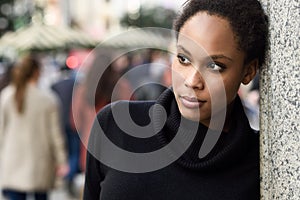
[[229, 172]]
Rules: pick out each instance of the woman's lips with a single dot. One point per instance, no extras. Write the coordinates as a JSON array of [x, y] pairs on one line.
[[191, 102]]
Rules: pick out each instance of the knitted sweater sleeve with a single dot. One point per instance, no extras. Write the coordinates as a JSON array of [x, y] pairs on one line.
[[96, 171], [93, 178], [94, 175]]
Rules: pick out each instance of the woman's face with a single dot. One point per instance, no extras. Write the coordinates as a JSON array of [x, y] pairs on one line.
[[209, 68]]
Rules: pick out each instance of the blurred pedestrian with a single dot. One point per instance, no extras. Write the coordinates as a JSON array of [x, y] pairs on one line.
[[151, 82], [101, 85], [31, 143], [64, 90]]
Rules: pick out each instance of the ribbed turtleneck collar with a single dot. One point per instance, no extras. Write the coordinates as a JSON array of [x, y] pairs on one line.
[[229, 148]]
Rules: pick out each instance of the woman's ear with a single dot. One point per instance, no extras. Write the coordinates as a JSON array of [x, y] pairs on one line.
[[250, 71]]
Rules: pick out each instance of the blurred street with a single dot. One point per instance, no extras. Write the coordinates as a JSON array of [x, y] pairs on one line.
[[61, 193]]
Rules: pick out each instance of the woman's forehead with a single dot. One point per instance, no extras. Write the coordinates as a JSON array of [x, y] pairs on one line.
[[210, 34]]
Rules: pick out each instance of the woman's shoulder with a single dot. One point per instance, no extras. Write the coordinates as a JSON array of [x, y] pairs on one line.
[[45, 96], [6, 95], [124, 111], [8, 91]]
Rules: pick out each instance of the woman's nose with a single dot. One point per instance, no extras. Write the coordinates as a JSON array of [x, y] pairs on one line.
[[194, 80]]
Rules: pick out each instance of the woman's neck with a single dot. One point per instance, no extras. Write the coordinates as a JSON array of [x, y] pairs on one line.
[[221, 122]]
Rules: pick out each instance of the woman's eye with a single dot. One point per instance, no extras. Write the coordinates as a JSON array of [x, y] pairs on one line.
[[183, 60], [215, 67]]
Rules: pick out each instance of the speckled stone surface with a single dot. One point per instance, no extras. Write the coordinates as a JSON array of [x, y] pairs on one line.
[[280, 102]]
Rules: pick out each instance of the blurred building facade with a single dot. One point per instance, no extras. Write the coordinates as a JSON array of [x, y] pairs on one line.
[[96, 17]]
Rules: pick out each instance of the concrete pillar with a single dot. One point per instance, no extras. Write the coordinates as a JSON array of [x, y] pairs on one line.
[[280, 102]]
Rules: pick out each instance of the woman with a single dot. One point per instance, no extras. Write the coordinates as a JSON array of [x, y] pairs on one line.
[[220, 44], [32, 147]]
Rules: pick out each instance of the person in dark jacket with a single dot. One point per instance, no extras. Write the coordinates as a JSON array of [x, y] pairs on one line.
[[64, 89], [194, 141]]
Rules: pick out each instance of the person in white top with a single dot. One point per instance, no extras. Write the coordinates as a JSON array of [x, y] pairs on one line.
[[32, 149]]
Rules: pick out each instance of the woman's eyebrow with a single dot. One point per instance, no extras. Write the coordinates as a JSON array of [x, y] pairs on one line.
[[185, 50], [220, 56], [213, 57]]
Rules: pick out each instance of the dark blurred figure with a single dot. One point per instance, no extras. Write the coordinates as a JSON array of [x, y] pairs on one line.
[[146, 75], [102, 84], [31, 143], [64, 90]]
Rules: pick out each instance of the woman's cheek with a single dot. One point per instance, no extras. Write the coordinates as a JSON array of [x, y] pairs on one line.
[[177, 77], [217, 92]]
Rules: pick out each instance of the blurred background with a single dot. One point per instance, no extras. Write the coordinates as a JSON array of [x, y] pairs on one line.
[[58, 29], [62, 34]]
